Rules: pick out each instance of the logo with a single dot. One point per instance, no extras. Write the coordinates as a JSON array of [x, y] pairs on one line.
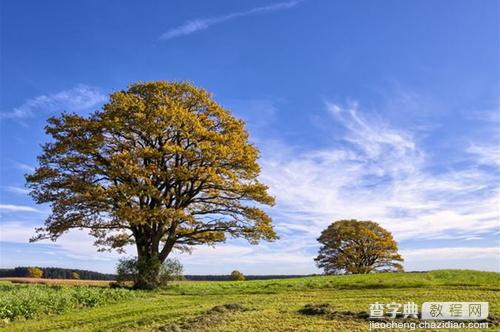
[[455, 310]]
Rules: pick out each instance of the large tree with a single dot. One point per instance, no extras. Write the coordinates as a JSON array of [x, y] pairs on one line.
[[161, 166], [352, 247]]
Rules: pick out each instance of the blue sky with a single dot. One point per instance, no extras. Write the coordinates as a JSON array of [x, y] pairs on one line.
[[380, 110]]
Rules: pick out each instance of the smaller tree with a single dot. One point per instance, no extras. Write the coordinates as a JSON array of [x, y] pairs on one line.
[[129, 269], [352, 247], [75, 275], [171, 270], [126, 270], [237, 276], [35, 272]]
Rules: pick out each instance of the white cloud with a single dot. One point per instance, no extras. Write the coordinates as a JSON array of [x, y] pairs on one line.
[[486, 154], [282, 257], [195, 25], [377, 173], [75, 244], [456, 253], [16, 231], [25, 167], [17, 208], [79, 98], [17, 190], [453, 257]]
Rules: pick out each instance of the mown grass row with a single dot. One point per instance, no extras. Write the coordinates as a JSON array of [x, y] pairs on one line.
[[30, 301]]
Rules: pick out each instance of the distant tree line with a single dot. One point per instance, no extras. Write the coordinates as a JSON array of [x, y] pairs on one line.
[[62, 273], [56, 273]]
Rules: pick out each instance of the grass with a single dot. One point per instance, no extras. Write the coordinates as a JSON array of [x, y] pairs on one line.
[[268, 305]]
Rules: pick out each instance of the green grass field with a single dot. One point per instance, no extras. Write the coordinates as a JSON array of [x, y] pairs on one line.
[[270, 305]]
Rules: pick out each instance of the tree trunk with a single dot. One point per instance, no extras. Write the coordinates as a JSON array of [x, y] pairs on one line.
[[148, 270], [148, 265], [149, 261]]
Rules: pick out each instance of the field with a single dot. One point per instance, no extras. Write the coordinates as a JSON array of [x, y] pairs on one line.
[[72, 282], [270, 305]]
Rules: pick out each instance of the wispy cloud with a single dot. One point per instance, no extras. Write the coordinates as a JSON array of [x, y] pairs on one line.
[[24, 167], [486, 154], [275, 258], [74, 244], [451, 253], [16, 190], [195, 25], [381, 173], [79, 98], [17, 208]]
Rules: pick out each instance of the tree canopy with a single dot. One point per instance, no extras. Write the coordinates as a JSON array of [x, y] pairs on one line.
[[161, 166], [237, 276], [34, 272], [352, 247]]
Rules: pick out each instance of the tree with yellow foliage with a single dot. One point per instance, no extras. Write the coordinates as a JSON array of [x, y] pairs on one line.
[[161, 166], [35, 272], [352, 247], [237, 276]]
